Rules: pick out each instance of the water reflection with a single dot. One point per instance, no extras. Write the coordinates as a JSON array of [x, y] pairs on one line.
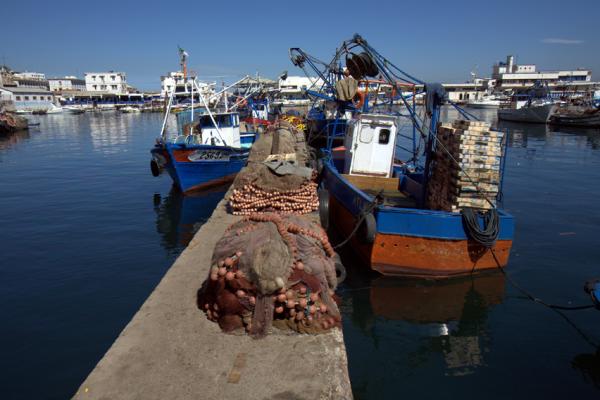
[[449, 317], [519, 134], [178, 217], [589, 366], [9, 140], [110, 131]]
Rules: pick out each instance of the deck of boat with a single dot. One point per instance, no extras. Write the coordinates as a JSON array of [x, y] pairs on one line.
[[387, 188]]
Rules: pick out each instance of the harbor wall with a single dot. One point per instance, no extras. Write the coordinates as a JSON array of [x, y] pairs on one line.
[[169, 350]]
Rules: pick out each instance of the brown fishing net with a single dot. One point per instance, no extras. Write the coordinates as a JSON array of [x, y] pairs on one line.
[[270, 269], [258, 188]]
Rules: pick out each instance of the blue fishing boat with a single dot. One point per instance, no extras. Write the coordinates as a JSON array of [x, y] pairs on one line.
[[388, 207], [211, 153], [208, 148]]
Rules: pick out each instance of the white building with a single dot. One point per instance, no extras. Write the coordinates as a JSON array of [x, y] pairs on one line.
[[30, 75], [297, 84], [169, 83], [106, 82], [175, 82], [66, 83], [27, 99], [510, 75]]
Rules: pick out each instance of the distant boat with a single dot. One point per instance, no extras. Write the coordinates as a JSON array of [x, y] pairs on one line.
[[486, 102], [54, 110], [130, 110], [576, 115], [73, 110], [532, 111]]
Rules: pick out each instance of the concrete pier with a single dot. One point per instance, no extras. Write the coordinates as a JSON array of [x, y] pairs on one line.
[[170, 350]]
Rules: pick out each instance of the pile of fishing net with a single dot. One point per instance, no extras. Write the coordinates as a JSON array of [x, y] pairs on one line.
[[279, 176], [272, 270]]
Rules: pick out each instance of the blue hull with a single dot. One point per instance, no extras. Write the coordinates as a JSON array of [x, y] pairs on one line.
[[412, 241], [191, 174]]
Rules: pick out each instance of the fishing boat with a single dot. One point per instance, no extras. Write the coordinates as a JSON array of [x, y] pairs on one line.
[[536, 111], [380, 206], [208, 148], [535, 106], [207, 152], [576, 115]]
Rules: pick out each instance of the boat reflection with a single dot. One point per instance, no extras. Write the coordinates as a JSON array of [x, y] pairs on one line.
[[449, 318], [9, 140], [520, 134], [589, 366], [179, 217]]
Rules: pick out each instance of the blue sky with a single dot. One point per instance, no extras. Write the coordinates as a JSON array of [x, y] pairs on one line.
[[433, 40]]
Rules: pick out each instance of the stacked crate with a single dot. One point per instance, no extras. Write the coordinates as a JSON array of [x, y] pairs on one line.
[[473, 163]]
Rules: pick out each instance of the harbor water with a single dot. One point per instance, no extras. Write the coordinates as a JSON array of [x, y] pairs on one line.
[[87, 233]]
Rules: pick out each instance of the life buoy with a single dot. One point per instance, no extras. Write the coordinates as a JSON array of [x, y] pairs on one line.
[[241, 102], [359, 99], [324, 207]]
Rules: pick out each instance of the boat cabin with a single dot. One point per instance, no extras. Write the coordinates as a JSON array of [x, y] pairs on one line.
[[226, 132], [369, 145]]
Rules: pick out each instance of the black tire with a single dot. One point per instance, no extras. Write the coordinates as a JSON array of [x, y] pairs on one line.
[[368, 229], [324, 208], [154, 168], [340, 270]]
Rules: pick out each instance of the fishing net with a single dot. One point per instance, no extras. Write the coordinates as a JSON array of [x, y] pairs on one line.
[[272, 270], [278, 176]]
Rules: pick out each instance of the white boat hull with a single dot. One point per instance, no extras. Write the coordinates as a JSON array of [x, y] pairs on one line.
[[483, 105]]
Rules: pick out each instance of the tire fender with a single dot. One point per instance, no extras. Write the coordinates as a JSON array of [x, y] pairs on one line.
[[368, 229], [324, 207], [340, 270], [154, 168]]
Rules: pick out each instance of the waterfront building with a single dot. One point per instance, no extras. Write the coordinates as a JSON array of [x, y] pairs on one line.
[[297, 84], [70, 83], [30, 75], [510, 75], [27, 99], [106, 82], [254, 82], [176, 82]]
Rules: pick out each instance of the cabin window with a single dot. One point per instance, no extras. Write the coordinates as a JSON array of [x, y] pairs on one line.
[[26, 98], [18, 98], [49, 98], [206, 122], [384, 136]]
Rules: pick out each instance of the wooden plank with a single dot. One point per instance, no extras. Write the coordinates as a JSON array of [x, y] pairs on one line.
[[373, 182]]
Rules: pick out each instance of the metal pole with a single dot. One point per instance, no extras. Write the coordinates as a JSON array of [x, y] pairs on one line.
[[414, 128], [192, 112], [164, 124]]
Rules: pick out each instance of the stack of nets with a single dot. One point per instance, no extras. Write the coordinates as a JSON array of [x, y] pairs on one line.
[[270, 269], [258, 188]]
